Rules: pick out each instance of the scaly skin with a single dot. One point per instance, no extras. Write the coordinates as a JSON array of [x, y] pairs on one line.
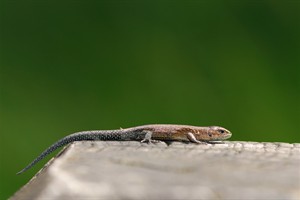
[[146, 133]]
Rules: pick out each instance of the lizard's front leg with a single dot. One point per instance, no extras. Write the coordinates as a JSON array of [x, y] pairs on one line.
[[192, 138]]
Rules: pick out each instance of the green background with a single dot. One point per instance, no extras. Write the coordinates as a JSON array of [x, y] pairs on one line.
[[78, 65]]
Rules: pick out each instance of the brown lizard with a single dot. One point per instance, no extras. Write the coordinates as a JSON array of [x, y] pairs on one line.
[[146, 133]]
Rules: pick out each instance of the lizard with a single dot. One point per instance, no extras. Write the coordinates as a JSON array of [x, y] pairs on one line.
[[146, 133]]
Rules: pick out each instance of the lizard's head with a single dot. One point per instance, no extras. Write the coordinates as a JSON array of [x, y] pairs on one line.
[[217, 133]]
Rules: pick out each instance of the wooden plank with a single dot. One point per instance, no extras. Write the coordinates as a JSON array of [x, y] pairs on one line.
[[131, 170]]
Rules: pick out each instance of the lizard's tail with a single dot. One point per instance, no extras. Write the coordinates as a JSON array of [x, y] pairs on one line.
[[79, 136]]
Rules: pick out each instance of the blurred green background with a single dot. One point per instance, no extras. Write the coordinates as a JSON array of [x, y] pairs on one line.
[[78, 65]]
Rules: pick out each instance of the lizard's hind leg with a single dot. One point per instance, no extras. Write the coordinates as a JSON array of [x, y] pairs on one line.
[[147, 138]]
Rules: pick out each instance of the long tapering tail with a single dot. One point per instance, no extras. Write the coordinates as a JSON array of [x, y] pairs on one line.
[[79, 136]]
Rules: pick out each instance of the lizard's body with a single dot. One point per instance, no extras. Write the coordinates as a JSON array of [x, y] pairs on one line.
[[146, 133]]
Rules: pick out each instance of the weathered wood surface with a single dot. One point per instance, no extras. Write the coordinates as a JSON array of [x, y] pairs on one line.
[[131, 170]]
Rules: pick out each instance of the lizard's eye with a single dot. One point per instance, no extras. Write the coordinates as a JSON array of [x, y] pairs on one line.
[[209, 134], [221, 131]]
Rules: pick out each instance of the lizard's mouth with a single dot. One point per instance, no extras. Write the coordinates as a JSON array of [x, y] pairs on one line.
[[224, 137], [220, 139], [227, 136]]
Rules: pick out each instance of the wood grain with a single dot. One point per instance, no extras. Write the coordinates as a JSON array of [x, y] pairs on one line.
[[131, 170]]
